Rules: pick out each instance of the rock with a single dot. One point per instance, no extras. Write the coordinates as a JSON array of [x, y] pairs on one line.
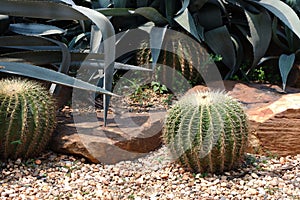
[[273, 116], [126, 137]]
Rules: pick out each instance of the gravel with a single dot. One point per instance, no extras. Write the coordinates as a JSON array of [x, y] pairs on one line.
[[156, 176]]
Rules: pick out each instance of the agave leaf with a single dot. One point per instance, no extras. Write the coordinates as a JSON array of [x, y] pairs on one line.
[[55, 10], [108, 34], [25, 41], [209, 17], [196, 5], [115, 11], [35, 29], [92, 61], [151, 14], [72, 44], [185, 4], [120, 3], [264, 59], [105, 3], [275, 33], [170, 10], [48, 75], [186, 21], [238, 45], [157, 36], [286, 63], [4, 23], [40, 9], [219, 40], [284, 12], [260, 34]]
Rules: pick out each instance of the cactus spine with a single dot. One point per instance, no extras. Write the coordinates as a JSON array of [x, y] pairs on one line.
[[27, 118], [207, 132]]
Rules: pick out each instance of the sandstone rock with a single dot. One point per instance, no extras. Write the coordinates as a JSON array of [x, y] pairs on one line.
[[274, 116], [126, 137]]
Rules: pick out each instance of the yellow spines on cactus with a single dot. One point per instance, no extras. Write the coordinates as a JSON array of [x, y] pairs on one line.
[[207, 131], [27, 118]]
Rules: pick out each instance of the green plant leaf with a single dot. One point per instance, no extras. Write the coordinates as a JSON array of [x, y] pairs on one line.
[[151, 14], [196, 5], [48, 75], [120, 3], [28, 42], [40, 9], [40, 57], [260, 34], [105, 3], [219, 40], [185, 4], [115, 11], [186, 21], [157, 36], [286, 63], [35, 29], [4, 23], [284, 12], [209, 17], [275, 37]]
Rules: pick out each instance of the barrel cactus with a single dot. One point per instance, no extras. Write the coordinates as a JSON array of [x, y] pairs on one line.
[[207, 131], [27, 118]]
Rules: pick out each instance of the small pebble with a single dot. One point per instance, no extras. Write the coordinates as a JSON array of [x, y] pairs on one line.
[[66, 177]]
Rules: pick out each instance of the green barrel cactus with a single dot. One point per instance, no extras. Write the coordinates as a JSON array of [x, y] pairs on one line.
[[27, 118], [207, 132]]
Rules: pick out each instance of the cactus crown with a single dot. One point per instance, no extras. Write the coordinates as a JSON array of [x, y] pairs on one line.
[[27, 118], [207, 131]]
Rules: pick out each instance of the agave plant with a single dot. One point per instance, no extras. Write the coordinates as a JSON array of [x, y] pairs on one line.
[[52, 45], [240, 31]]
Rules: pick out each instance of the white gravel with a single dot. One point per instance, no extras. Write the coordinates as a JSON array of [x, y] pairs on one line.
[[155, 176]]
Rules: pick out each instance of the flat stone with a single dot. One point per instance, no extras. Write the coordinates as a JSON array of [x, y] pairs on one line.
[[126, 137]]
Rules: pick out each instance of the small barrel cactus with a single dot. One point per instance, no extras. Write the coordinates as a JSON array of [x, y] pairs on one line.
[[27, 118], [207, 131]]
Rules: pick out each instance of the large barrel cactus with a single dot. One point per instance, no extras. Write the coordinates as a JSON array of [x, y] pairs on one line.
[[27, 118], [207, 131]]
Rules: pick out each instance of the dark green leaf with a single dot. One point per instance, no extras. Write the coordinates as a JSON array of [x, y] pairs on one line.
[[115, 11], [286, 63], [275, 38], [40, 9], [157, 36], [185, 4], [209, 17], [219, 40], [260, 34], [48, 75], [151, 14], [35, 29], [187, 22], [284, 12]]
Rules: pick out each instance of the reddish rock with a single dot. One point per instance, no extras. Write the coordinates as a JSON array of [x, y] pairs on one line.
[[126, 136], [274, 116]]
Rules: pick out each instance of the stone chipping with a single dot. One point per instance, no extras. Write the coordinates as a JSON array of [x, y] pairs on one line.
[[155, 176]]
